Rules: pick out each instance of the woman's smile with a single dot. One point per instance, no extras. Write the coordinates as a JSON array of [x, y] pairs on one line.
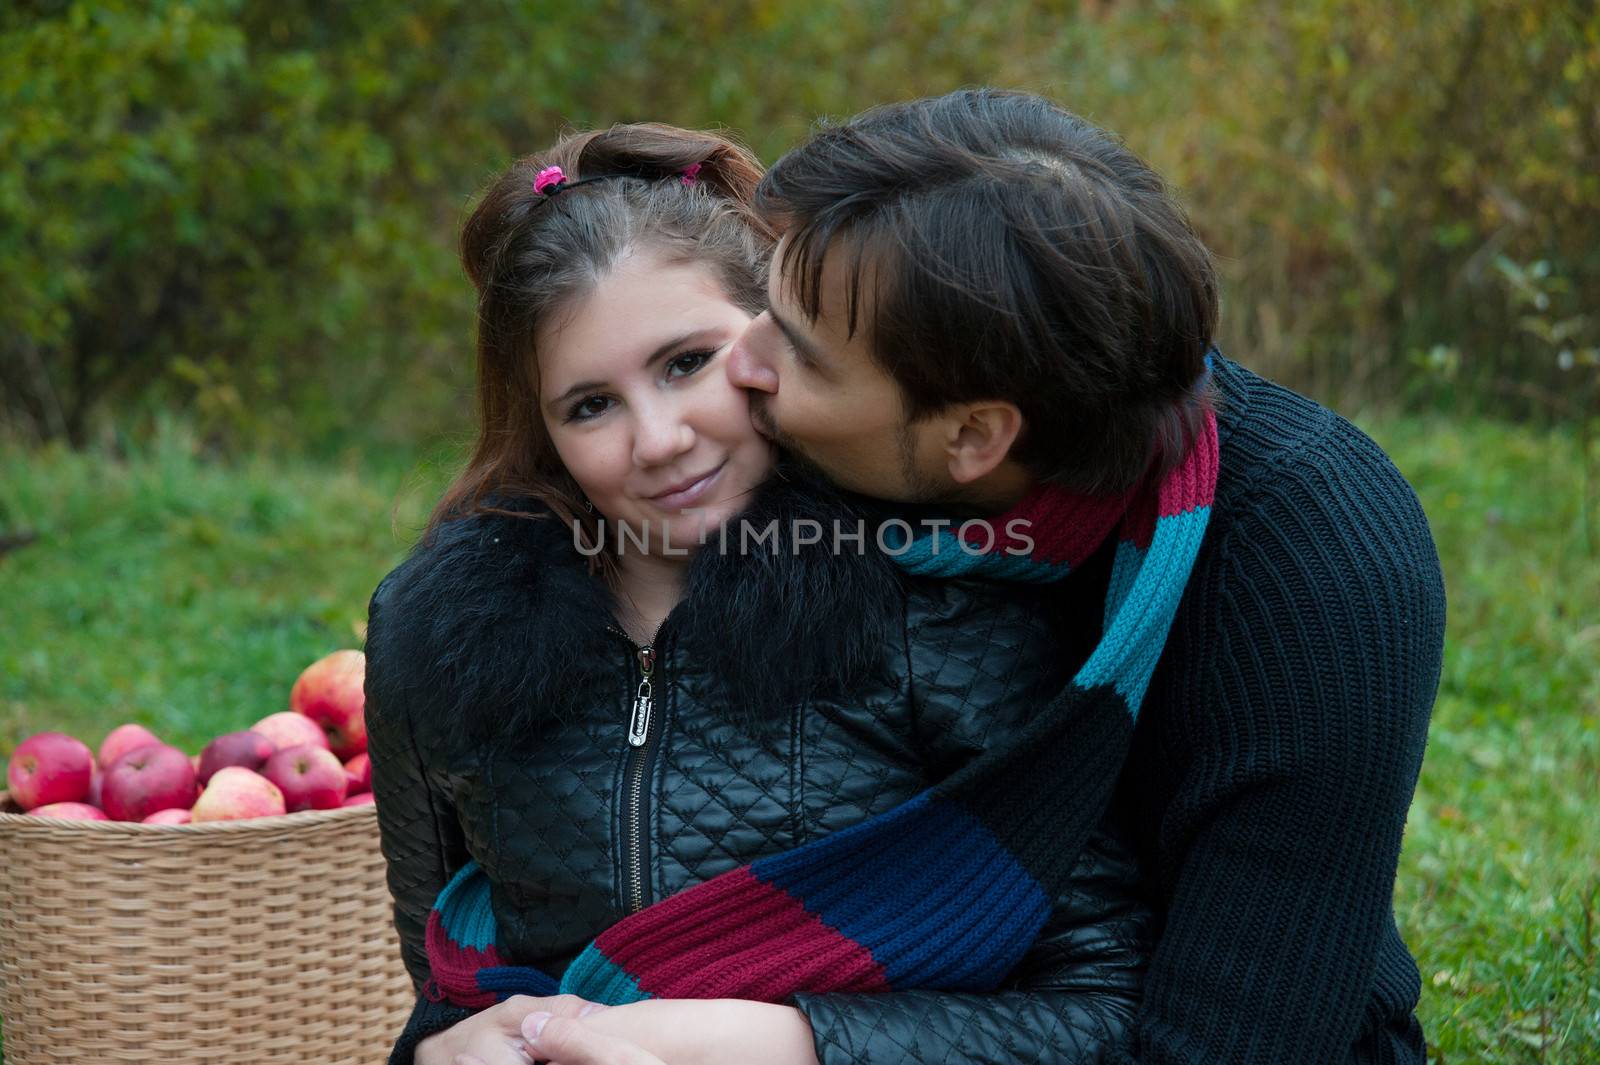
[[687, 493]]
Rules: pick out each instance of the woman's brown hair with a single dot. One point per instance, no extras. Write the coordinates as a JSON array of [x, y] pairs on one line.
[[530, 256]]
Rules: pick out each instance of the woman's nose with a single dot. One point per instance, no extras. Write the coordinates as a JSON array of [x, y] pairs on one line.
[[661, 437]]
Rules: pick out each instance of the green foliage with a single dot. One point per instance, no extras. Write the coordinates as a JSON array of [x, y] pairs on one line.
[[1358, 166], [1543, 302], [248, 210], [236, 207]]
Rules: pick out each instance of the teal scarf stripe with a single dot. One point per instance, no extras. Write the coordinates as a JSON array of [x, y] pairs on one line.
[[1126, 655], [944, 554], [464, 909], [595, 977]]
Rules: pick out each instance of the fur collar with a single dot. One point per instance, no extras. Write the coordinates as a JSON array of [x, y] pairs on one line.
[[497, 625]]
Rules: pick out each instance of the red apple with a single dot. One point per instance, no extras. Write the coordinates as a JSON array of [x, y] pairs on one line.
[[148, 779], [122, 739], [246, 748], [311, 778], [363, 799], [288, 729], [330, 692], [49, 767], [70, 811], [169, 817], [236, 793], [359, 770]]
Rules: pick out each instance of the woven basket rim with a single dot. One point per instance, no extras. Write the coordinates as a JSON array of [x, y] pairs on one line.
[[272, 822]]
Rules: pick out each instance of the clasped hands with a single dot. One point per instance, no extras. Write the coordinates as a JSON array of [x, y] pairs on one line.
[[568, 1030]]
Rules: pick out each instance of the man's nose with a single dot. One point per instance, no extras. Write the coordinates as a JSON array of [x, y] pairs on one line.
[[748, 370]]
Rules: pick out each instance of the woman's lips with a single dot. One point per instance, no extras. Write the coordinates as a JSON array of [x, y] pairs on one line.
[[689, 496]]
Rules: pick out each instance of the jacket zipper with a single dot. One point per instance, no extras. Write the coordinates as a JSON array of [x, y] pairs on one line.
[[637, 760], [639, 722]]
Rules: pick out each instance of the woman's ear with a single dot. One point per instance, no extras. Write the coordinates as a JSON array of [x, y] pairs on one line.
[[980, 439]]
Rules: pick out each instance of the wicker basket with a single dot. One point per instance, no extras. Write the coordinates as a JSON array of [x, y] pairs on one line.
[[260, 941]]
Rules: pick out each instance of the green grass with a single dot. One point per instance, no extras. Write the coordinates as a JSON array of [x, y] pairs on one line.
[[1499, 886], [183, 595], [188, 595]]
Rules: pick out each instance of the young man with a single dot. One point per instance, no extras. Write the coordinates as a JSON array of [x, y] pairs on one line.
[[981, 300]]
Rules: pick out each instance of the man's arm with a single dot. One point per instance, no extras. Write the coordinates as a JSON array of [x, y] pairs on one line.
[[1073, 994], [1072, 998], [1298, 714], [1043, 1014]]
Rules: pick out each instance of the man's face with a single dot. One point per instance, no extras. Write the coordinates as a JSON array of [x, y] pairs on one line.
[[819, 394]]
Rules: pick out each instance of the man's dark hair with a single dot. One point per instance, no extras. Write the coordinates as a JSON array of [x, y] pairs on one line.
[[1007, 249]]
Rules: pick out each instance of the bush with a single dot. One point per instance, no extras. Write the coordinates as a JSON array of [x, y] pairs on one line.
[[248, 210]]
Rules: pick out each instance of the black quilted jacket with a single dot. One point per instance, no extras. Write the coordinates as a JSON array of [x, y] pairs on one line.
[[791, 697]]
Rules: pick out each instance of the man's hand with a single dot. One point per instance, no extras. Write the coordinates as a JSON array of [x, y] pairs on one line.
[[493, 1036]]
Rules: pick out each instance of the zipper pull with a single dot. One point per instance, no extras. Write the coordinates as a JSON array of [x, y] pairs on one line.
[[639, 724]]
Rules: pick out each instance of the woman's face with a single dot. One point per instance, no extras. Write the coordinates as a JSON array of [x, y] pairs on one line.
[[633, 394]]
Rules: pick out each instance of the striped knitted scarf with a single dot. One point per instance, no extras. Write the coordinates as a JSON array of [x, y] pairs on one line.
[[946, 891]]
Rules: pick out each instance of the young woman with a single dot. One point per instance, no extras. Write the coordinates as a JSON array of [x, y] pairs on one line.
[[591, 683]]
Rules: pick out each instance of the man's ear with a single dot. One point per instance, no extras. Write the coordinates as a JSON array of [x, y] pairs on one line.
[[980, 438]]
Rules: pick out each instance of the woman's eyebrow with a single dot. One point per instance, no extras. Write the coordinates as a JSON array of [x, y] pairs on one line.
[[660, 353]]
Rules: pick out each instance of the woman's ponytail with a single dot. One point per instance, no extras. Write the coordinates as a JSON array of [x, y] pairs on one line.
[[661, 152]]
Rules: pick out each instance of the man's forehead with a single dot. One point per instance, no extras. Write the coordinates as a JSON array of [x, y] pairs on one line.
[[832, 296], [780, 279]]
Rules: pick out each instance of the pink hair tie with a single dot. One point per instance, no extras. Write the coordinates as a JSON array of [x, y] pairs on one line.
[[548, 178], [690, 173]]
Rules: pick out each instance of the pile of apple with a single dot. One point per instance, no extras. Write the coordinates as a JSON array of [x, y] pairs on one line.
[[312, 756]]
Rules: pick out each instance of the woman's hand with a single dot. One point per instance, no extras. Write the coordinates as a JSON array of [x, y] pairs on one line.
[[567, 1041], [722, 1031], [494, 1035]]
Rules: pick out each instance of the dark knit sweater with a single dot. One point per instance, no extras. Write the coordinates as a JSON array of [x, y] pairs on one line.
[[1279, 747]]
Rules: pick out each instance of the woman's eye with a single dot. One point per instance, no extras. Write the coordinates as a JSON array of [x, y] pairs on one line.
[[688, 363], [587, 407]]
